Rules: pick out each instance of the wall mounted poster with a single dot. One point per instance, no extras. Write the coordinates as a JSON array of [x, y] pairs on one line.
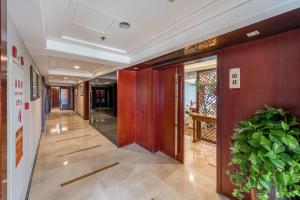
[[18, 110], [19, 145], [35, 84]]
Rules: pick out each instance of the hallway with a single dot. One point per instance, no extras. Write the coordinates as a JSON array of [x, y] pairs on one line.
[[139, 175]]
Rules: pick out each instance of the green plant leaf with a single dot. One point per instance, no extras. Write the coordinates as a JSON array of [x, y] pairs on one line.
[[277, 132], [285, 126], [278, 148], [283, 178], [278, 163], [257, 135], [290, 141]]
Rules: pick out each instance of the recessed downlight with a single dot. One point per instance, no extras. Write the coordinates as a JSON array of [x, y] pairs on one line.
[[124, 25], [76, 67], [253, 33]]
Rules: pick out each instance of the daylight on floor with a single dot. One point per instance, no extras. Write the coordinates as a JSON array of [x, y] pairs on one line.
[[150, 100]]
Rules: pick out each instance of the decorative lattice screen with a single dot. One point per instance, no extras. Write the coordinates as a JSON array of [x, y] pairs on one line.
[[207, 102]]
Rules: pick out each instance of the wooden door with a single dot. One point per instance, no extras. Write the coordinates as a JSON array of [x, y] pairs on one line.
[[172, 111], [54, 97]]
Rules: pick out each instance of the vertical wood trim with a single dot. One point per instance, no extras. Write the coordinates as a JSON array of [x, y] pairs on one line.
[[3, 102], [219, 119], [86, 98]]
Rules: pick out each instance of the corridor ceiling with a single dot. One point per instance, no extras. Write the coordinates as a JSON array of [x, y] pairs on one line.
[[62, 34]]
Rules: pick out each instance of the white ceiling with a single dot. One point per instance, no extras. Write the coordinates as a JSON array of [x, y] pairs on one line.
[[63, 33]]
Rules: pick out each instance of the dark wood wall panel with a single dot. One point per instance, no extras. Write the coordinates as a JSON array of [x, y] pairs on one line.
[[86, 100], [144, 123], [270, 71], [126, 107]]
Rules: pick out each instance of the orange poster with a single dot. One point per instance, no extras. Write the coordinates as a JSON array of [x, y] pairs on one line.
[[19, 145]]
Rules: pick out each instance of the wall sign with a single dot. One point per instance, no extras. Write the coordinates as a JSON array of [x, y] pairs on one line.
[[17, 79], [234, 78]]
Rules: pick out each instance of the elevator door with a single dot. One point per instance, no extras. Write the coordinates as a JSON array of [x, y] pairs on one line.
[[171, 111]]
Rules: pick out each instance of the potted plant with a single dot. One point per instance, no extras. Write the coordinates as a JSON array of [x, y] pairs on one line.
[[266, 155]]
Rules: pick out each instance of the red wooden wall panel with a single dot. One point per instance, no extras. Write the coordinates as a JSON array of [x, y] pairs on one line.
[[167, 112], [86, 100], [144, 123], [270, 71], [156, 112], [126, 107]]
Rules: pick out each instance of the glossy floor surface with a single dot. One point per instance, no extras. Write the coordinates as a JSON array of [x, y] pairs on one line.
[[139, 175], [104, 121]]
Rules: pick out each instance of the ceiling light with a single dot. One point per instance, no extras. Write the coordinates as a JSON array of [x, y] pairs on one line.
[[136, 68], [124, 25], [76, 67], [253, 33]]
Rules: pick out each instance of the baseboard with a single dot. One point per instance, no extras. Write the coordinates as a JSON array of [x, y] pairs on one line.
[[31, 176]]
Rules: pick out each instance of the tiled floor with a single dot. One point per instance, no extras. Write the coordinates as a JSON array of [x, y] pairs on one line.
[[139, 176]]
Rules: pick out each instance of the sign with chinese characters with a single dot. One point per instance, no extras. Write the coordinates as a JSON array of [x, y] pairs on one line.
[[234, 78], [19, 145], [18, 110]]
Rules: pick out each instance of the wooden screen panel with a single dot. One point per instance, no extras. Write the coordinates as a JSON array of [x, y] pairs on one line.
[[269, 76], [144, 123], [126, 107], [167, 112]]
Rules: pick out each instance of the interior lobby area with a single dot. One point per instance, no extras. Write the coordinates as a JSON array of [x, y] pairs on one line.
[[71, 147], [150, 100]]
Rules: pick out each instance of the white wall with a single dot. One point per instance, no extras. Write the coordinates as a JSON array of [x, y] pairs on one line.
[[19, 177], [78, 100]]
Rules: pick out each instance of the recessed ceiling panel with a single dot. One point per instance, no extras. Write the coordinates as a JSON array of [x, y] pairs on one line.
[[92, 19]]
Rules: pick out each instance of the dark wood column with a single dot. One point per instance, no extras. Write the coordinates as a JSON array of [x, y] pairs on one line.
[[3, 103], [86, 100]]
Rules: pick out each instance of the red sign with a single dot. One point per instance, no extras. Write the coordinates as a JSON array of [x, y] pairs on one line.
[[14, 52], [19, 145], [26, 106]]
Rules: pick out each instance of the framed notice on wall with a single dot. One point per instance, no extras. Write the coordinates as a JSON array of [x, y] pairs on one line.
[[17, 116], [35, 84]]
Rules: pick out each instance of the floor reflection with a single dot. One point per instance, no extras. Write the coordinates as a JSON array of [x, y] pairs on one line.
[[103, 120]]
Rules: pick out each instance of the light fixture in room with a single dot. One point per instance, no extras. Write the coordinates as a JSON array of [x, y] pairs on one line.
[[136, 68], [124, 25], [253, 33], [76, 67]]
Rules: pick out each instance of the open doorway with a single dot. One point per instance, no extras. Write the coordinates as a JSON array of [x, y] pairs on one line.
[[61, 98], [103, 105], [200, 113]]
